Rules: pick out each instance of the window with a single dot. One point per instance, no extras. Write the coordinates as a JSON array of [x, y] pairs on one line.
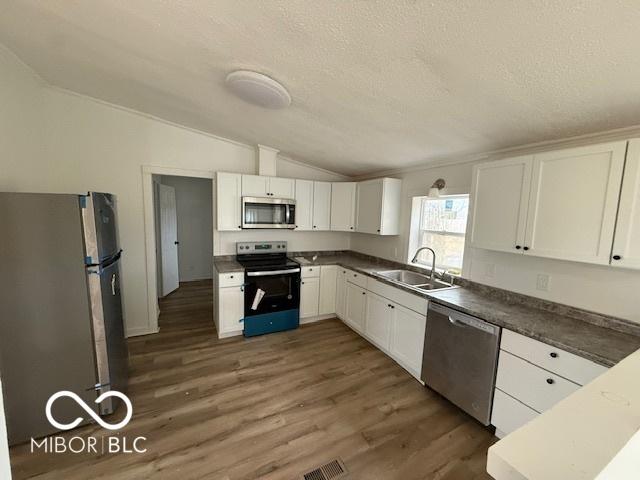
[[440, 223]]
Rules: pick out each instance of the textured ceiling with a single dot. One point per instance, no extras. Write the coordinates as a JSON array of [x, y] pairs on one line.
[[375, 84]]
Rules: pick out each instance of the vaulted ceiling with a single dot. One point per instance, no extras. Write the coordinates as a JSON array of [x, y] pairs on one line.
[[375, 84]]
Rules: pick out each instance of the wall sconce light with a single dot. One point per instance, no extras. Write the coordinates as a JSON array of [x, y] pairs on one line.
[[438, 188]]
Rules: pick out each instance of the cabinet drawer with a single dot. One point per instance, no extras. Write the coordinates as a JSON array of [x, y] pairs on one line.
[[357, 278], [396, 295], [310, 272], [509, 414], [577, 369], [230, 279], [530, 384]]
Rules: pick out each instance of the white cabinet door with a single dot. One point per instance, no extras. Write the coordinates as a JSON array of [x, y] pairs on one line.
[[378, 318], [255, 186], [573, 202], [356, 305], [407, 338], [391, 199], [341, 293], [304, 204], [230, 309], [343, 206], [229, 201], [369, 206], [626, 246], [328, 279], [321, 205], [309, 297], [282, 187], [500, 198]]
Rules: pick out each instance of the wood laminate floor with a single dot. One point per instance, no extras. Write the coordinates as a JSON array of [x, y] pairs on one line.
[[271, 407]]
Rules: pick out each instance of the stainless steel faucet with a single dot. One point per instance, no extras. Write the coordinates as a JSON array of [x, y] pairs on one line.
[[433, 263]]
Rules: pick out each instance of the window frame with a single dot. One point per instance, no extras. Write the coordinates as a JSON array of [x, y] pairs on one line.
[[417, 232]]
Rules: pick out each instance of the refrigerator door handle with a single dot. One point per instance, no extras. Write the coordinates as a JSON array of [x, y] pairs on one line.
[[113, 284]]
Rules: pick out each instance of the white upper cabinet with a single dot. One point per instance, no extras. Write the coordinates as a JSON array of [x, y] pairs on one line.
[[229, 193], [261, 186], [378, 206], [255, 186], [282, 187], [304, 204], [500, 194], [343, 206], [626, 246], [573, 202], [560, 204], [321, 205]]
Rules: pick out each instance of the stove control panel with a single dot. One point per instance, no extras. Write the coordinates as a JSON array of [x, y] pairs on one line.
[[261, 247]]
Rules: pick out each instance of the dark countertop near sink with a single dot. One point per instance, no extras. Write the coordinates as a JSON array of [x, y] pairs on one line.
[[605, 340]]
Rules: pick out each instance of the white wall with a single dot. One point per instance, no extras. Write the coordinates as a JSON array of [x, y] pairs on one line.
[[62, 143], [593, 287], [195, 226]]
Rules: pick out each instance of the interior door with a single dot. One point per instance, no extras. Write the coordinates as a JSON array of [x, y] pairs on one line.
[[574, 201], [168, 238], [500, 196], [626, 247]]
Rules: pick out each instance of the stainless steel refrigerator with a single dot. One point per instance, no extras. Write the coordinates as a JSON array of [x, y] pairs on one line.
[[61, 322]]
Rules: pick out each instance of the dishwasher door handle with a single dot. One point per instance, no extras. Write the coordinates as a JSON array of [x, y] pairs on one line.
[[457, 323]]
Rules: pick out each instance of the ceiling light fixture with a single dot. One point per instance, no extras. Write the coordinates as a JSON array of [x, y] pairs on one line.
[[258, 89], [438, 188]]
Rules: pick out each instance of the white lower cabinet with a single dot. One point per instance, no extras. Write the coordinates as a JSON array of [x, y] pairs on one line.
[[328, 279], [341, 293], [355, 307], [407, 338], [230, 310], [309, 297], [532, 377], [379, 316]]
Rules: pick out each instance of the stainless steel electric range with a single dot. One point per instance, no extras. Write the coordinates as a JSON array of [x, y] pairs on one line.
[[271, 287]]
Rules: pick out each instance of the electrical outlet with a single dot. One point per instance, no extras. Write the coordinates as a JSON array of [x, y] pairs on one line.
[[542, 282], [490, 270]]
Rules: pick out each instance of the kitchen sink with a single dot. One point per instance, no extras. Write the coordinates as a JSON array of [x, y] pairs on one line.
[[413, 279], [405, 276]]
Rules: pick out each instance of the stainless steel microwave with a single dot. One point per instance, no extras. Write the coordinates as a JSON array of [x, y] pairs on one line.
[[260, 212]]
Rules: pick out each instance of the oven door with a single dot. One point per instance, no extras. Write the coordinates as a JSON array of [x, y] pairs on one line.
[[268, 212], [281, 291]]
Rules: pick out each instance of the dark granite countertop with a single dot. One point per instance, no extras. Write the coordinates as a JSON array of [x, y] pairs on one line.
[[603, 339]]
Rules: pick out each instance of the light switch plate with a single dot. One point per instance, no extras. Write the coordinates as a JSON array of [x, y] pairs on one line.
[[542, 282]]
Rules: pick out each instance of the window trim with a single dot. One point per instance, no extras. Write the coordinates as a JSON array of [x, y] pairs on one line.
[[415, 234]]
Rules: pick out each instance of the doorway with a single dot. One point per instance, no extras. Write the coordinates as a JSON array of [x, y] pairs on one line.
[[183, 232]]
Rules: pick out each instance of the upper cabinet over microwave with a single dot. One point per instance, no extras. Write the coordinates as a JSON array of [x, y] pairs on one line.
[[560, 204]]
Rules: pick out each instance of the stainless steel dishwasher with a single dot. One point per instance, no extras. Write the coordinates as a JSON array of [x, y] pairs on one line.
[[460, 359]]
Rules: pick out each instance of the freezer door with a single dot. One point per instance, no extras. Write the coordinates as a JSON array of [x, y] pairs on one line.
[[100, 227], [108, 327]]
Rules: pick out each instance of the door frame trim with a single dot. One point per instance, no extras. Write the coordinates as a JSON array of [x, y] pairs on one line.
[[153, 310]]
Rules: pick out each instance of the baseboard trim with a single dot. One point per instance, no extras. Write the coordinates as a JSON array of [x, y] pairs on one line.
[[138, 332], [304, 321]]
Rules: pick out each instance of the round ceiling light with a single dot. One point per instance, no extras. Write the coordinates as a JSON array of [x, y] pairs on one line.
[[258, 89]]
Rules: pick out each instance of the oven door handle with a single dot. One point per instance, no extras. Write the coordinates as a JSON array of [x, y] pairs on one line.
[[272, 272]]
